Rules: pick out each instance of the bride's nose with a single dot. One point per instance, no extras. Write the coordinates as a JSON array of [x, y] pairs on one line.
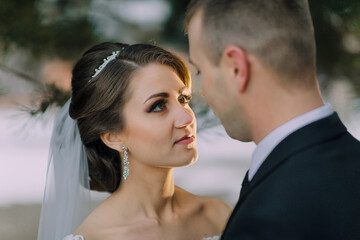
[[184, 117]]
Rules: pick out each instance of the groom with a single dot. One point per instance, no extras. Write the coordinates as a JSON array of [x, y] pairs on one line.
[[256, 59]]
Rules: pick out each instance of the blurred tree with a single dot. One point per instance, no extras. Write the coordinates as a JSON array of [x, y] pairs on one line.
[[63, 28], [49, 29], [174, 27], [57, 28], [337, 32]]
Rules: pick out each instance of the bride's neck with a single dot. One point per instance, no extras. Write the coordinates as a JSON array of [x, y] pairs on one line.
[[148, 192]]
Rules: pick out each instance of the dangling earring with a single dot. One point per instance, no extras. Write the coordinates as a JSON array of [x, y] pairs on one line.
[[125, 163]]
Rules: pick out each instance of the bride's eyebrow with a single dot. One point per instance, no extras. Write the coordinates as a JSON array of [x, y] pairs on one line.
[[162, 94], [183, 89], [166, 95]]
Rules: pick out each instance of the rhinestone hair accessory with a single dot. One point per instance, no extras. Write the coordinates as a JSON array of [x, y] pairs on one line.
[[106, 61]]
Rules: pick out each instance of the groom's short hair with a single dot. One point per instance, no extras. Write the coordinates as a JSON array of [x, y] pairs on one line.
[[279, 32]]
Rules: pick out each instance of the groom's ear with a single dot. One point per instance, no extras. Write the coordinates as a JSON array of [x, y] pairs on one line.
[[112, 140], [237, 66]]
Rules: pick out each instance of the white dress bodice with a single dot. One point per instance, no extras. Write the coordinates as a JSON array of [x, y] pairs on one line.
[[72, 237], [79, 237]]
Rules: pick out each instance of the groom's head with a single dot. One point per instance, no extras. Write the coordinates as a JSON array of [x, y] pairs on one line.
[[278, 32], [234, 41]]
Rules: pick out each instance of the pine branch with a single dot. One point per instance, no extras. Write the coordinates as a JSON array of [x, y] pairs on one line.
[[19, 74], [49, 95]]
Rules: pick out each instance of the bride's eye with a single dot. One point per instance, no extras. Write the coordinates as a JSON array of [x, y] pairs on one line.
[[184, 99], [158, 106]]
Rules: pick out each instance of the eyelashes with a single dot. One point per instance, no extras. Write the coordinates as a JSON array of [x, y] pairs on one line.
[[160, 105], [184, 98]]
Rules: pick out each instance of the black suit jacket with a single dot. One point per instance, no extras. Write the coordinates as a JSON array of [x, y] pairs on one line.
[[307, 188]]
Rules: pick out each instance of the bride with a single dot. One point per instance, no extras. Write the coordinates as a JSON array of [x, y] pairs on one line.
[[127, 125]]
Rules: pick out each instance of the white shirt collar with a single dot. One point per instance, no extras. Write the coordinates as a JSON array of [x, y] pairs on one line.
[[267, 144]]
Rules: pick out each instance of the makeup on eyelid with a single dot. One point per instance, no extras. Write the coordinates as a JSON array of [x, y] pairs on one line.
[[165, 101]]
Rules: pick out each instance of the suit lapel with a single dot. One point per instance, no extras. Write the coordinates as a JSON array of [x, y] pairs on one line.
[[310, 135], [245, 183]]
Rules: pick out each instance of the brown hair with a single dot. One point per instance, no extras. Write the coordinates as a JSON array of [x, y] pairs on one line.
[[97, 102], [279, 32]]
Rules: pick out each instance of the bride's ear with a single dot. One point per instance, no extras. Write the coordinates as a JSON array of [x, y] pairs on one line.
[[112, 140]]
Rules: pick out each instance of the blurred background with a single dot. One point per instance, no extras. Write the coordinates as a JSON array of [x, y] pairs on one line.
[[41, 39]]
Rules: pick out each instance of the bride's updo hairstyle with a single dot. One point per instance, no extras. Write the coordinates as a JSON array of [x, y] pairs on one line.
[[97, 102]]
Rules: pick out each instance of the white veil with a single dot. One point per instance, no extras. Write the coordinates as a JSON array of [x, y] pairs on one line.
[[66, 201]]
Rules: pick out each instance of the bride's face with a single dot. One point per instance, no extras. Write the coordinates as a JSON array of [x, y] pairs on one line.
[[160, 126]]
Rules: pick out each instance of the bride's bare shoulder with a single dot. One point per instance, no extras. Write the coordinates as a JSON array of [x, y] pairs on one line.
[[100, 224], [131, 231], [89, 229], [107, 223], [215, 209], [218, 210]]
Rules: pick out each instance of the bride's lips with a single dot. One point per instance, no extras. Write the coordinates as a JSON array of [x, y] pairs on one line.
[[187, 139]]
